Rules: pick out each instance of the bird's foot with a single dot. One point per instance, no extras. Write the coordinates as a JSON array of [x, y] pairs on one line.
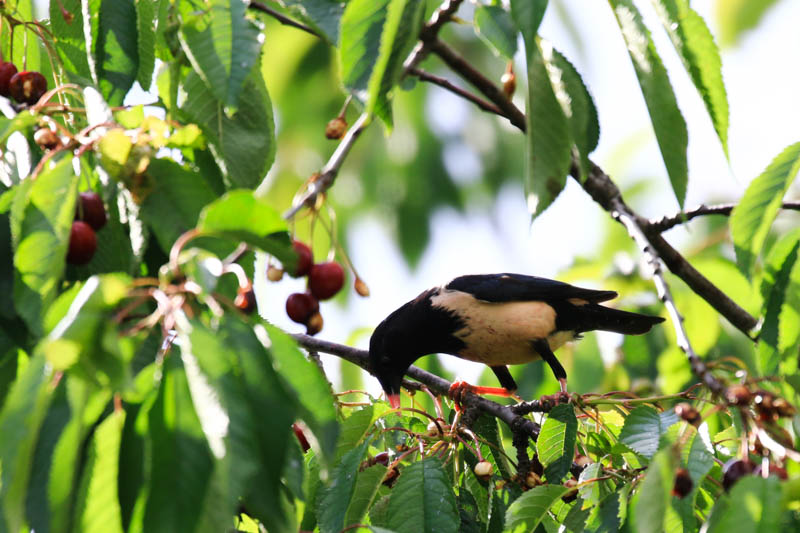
[[560, 397], [457, 389]]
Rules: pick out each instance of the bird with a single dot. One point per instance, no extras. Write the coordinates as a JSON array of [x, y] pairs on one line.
[[495, 319]]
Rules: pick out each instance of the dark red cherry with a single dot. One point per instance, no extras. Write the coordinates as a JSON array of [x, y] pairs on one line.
[[82, 243], [91, 210], [300, 306], [7, 71], [27, 87], [683, 483], [326, 279], [305, 259]]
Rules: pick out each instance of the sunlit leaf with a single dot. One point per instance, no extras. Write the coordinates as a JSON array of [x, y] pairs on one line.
[[422, 501], [643, 429], [335, 498], [115, 51], [495, 26], [654, 494], [735, 17], [753, 216], [754, 504], [668, 123], [556, 444], [146, 22], [530, 508]]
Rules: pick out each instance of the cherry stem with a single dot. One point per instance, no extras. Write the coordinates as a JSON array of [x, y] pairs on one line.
[[178, 246]]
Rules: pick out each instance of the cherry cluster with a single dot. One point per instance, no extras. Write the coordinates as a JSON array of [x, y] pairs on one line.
[[25, 87], [90, 216], [324, 281]]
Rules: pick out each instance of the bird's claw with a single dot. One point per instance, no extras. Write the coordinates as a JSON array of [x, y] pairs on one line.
[[456, 393]]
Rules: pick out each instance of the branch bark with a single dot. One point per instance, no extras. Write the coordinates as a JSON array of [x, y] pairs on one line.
[[669, 222]]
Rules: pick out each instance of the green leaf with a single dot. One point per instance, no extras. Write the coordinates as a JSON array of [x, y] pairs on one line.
[[98, 504], [366, 490], [312, 390], [21, 121], [556, 444], [322, 15], [146, 24], [174, 205], [754, 506], [494, 25], [179, 462], [115, 51], [422, 501], [243, 144], [403, 21], [735, 17], [355, 427], [753, 216], [643, 429], [335, 498], [361, 30], [668, 123], [243, 216], [69, 37], [700, 55], [41, 218], [528, 15], [654, 494], [776, 284], [549, 143], [529, 509], [223, 46], [22, 415]]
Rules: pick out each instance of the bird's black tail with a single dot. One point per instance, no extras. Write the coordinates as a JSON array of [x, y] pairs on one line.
[[593, 316]]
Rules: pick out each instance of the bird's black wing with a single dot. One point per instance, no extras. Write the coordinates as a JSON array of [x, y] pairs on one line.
[[508, 287]]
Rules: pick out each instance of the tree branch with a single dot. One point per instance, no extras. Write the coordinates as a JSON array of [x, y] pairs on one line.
[[436, 384], [666, 222], [280, 17], [442, 82]]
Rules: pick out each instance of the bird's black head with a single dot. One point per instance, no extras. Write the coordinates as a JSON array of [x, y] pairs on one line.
[[415, 329]]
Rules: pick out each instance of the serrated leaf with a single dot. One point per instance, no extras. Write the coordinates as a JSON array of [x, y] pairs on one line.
[[700, 55], [754, 505], [548, 140], [334, 498], [323, 15], [643, 429], [243, 144], [223, 46], [752, 218], [69, 37], [312, 390], [41, 218], [775, 284], [243, 216], [22, 415], [654, 494], [666, 118], [364, 494], [423, 501], [114, 47], [361, 28], [403, 21], [175, 202], [146, 22], [495, 26], [528, 15], [354, 427], [556, 443], [735, 17], [98, 504], [529, 509]]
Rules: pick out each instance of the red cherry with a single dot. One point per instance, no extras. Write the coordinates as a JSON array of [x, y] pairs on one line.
[[735, 469], [7, 71], [683, 483], [27, 87], [305, 259], [91, 210], [301, 437], [82, 243], [326, 279], [245, 299], [300, 306]]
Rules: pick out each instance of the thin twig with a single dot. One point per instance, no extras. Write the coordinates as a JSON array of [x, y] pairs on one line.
[[283, 19], [434, 383], [447, 84], [666, 222]]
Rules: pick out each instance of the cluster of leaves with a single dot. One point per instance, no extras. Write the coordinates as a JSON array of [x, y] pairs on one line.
[[134, 396]]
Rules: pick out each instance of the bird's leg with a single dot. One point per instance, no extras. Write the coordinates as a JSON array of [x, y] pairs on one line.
[[543, 348], [458, 388]]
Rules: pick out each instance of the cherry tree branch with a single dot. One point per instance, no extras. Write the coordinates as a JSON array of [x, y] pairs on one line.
[[280, 17], [436, 384], [668, 222], [447, 84]]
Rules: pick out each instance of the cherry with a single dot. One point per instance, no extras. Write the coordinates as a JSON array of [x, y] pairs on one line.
[[301, 437], [91, 210], [572, 494], [382, 458], [683, 483], [738, 395], [336, 128], [274, 273], [27, 87], [245, 299], [46, 138], [82, 243], [688, 413], [300, 306], [305, 259], [733, 470], [326, 279], [483, 470], [7, 71]]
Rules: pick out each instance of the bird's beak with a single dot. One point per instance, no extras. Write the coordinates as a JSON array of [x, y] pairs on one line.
[[394, 400]]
